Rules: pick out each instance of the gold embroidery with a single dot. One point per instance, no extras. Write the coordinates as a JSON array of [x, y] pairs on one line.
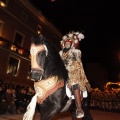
[[47, 87], [65, 55]]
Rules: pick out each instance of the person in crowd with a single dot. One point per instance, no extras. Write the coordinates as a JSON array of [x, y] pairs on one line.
[[3, 103], [30, 94], [71, 57], [22, 100], [10, 101], [14, 95]]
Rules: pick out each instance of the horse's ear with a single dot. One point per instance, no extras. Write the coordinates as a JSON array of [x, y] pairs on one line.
[[38, 39], [35, 39], [32, 39], [42, 38]]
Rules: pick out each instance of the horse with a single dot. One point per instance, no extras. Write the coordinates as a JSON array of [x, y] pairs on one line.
[[46, 64]]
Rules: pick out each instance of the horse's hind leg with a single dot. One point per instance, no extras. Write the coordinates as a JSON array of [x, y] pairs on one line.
[[86, 108], [73, 115]]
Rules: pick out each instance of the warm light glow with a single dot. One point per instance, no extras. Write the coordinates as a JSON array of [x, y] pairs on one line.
[[38, 32], [28, 77], [2, 4], [20, 51], [39, 29], [112, 83], [1, 43], [13, 48]]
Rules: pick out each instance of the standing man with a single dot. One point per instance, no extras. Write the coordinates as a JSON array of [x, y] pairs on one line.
[[71, 57]]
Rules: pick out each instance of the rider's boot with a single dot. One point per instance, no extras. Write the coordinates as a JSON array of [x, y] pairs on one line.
[[76, 92]]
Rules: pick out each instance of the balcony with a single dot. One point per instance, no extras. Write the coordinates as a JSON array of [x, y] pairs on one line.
[[13, 48]]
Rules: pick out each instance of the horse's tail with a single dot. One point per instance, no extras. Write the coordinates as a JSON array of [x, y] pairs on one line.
[[30, 109]]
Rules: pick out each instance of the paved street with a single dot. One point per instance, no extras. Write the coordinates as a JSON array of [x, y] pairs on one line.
[[97, 115]]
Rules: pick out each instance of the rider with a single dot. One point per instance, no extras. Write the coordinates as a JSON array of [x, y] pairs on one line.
[[72, 59]]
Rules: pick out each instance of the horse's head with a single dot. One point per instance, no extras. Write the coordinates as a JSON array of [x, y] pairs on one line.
[[38, 52], [45, 60]]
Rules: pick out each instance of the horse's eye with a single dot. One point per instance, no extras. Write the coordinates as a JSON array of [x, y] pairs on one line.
[[37, 77], [39, 54]]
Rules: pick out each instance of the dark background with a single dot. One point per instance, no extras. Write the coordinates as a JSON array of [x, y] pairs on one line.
[[98, 20]]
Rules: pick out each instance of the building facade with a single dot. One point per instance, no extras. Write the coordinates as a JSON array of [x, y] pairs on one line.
[[19, 20]]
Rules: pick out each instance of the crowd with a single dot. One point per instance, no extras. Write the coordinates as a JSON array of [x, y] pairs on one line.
[[14, 98], [105, 100]]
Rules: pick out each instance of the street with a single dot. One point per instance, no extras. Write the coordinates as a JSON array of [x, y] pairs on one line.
[[96, 114]]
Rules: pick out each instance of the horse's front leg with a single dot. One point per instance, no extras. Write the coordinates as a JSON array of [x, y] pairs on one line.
[[53, 104]]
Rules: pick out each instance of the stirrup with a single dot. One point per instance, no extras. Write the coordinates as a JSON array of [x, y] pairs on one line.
[[79, 113]]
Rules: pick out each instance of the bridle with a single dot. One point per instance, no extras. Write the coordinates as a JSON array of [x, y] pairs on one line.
[[37, 71]]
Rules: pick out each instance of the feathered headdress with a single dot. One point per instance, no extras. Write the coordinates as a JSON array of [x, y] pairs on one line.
[[73, 37]]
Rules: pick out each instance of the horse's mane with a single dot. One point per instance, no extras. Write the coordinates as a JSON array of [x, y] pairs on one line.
[[53, 65]]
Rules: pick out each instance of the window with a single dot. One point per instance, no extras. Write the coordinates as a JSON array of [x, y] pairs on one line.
[[18, 38], [1, 26], [13, 66]]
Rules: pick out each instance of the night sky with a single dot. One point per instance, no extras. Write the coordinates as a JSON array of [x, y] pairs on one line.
[[98, 20]]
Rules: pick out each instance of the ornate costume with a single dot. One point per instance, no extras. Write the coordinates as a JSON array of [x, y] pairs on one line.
[[73, 63]]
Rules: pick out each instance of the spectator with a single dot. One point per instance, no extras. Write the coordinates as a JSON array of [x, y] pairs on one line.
[[10, 101], [3, 104], [22, 100], [14, 95], [30, 94]]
